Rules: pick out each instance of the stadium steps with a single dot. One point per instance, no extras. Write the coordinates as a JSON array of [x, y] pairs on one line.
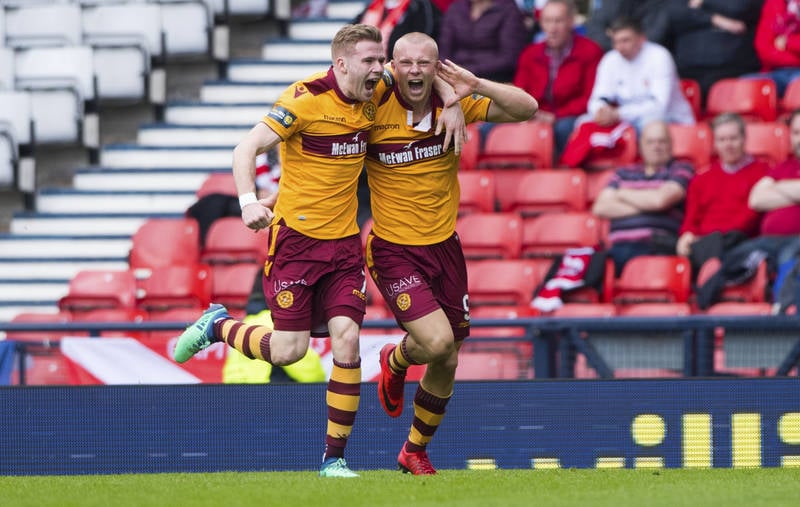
[[141, 180], [166, 134], [212, 113]]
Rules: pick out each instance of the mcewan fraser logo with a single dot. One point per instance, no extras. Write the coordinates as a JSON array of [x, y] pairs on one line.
[[348, 145], [401, 154]]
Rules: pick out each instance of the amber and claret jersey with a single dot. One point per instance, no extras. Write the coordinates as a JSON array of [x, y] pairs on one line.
[[413, 181], [325, 141]]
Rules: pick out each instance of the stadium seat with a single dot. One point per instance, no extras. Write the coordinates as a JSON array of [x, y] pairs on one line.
[[691, 90], [596, 181], [544, 191], [231, 284], [217, 183], [61, 317], [755, 99], [518, 145], [550, 234], [93, 289], [229, 241], [164, 242], [652, 278], [488, 366], [584, 310], [753, 290], [477, 192], [99, 315], [791, 99], [628, 155], [490, 235], [738, 308], [768, 141], [184, 315], [693, 143], [507, 312], [175, 286], [655, 310], [44, 364], [468, 160], [502, 282]]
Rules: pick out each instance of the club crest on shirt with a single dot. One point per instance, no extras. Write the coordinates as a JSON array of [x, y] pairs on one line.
[[282, 116], [403, 301], [285, 299], [369, 110]]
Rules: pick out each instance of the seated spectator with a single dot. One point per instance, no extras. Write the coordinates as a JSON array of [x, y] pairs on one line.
[[483, 36], [777, 195], [778, 41], [650, 13], [559, 71], [396, 18], [717, 216], [636, 83], [644, 202], [713, 39]]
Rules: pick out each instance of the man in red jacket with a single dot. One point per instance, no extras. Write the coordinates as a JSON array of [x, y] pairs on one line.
[[559, 71]]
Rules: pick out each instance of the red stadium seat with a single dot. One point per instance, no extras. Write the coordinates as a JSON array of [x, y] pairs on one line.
[[791, 98], [518, 145], [691, 90], [231, 284], [469, 151], [175, 286], [217, 183], [165, 242], [693, 143], [490, 235], [753, 290], [755, 99], [477, 192], [583, 310], [99, 315], [653, 278], [736, 308], [229, 241], [488, 366], [502, 282], [184, 315], [60, 317], [508, 312], [655, 310], [544, 191], [596, 181], [768, 141], [44, 365], [550, 234], [92, 289]]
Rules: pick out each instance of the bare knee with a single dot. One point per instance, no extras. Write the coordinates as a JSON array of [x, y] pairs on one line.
[[288, 355], [438, 347]]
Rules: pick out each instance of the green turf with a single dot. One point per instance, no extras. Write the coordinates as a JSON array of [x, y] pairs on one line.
[[463, 488]]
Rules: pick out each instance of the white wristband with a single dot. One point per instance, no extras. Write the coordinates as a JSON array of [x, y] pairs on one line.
[[248, 198]]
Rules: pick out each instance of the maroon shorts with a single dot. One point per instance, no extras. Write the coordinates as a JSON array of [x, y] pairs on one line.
[[308, 281], [417, 280]]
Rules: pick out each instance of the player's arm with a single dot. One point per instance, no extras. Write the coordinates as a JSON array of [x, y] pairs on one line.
[[509, 103], [255, 214]]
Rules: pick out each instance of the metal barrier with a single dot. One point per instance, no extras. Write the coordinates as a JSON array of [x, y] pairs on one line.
[[683, 344]]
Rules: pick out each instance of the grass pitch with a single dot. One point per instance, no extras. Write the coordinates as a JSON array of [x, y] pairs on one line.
[[772, 487]]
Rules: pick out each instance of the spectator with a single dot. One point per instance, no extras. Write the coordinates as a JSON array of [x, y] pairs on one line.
[[650, 13], [396, 18], [483, 36], [559, 71], [778, 41], [717, 216], [636, 83], [644, 202], [713, 39], [777, 195]]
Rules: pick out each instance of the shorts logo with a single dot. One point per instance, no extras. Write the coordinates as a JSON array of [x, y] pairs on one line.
[[404, 301], [285, 299], [369, 111], [282, 116]]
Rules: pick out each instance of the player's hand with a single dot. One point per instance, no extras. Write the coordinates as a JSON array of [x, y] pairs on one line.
[[455, 128], [464, 82], [256, 215]]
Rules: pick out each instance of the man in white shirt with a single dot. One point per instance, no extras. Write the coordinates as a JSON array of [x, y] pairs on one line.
[[637, 82]]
